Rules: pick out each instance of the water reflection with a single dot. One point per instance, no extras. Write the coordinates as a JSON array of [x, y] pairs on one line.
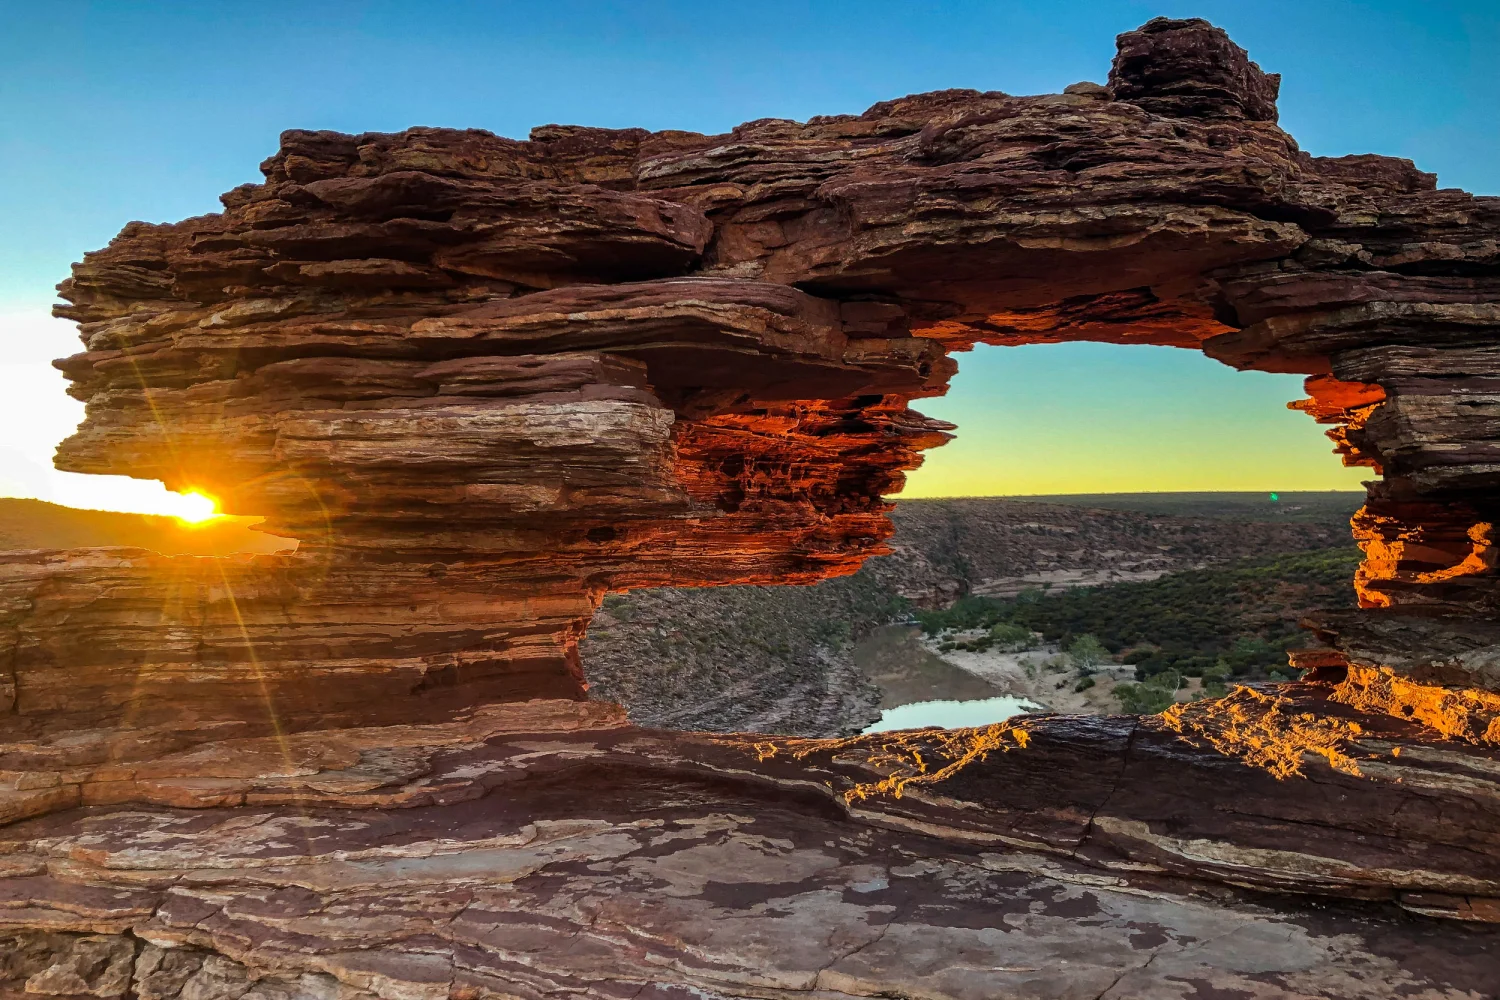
[[952, 714]]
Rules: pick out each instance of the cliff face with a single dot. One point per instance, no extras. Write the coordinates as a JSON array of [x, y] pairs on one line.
[[817, 660], [484, 382]]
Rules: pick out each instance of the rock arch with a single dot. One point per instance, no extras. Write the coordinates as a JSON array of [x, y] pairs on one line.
[[484, 382]]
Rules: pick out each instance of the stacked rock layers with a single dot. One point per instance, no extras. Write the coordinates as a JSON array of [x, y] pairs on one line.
[[484, 381]]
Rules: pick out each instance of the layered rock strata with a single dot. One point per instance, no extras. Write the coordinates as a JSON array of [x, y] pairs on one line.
[[483, 382], [597, 359], [552, 848]]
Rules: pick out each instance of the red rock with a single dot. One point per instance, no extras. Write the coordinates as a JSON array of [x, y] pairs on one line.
[[484, 382]]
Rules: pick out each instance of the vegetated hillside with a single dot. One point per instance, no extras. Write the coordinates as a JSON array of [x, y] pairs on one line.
[[944, 549], [1241, 617], [777, 659], [1321, 507], [36, 524]]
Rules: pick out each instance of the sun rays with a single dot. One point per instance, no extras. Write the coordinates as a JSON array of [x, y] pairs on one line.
[[196, 508]]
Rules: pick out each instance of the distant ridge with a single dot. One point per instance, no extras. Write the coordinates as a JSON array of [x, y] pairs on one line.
[[1321, 506], [36, 524]]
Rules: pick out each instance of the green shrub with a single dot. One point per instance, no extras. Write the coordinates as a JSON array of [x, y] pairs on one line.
[[965, 613], [1239, 617], [1143, 699], [832, 633], [1087, 651], [1084, 684], [1151, 696], [1012, 638], [1168, 681], [618, 605], [1252, 655]]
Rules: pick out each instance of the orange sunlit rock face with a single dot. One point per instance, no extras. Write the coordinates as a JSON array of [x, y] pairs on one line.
[[1346, 405], [1265, 732], [1470, 715], [907, 760], [484, 382], [1422, 553]]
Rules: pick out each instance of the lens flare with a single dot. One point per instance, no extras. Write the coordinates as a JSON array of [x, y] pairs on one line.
[[194, 507]]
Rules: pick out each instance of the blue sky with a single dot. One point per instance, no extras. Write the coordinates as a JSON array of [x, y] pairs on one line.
[[118, 111]]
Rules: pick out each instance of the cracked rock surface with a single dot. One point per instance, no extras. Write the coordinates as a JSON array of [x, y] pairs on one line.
[[484, 382], [622, 862]]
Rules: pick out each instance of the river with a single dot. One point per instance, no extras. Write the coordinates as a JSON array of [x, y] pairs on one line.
[[920, 689]]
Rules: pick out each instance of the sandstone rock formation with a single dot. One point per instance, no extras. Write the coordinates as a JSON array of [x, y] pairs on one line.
[[483, 382]]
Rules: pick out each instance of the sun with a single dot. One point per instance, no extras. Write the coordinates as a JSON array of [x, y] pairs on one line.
[[195, 507]]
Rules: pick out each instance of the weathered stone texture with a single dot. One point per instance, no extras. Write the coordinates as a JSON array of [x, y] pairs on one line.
[[484, 382]]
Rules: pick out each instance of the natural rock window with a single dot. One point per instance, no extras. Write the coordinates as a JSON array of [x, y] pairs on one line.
[[977, 610], [487, 382]]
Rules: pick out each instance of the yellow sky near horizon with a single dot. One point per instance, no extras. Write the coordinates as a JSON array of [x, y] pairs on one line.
[[1106, 418]]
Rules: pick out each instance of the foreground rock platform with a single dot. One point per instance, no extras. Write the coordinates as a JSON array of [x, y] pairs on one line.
[[1061, 857], [484, 382]]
